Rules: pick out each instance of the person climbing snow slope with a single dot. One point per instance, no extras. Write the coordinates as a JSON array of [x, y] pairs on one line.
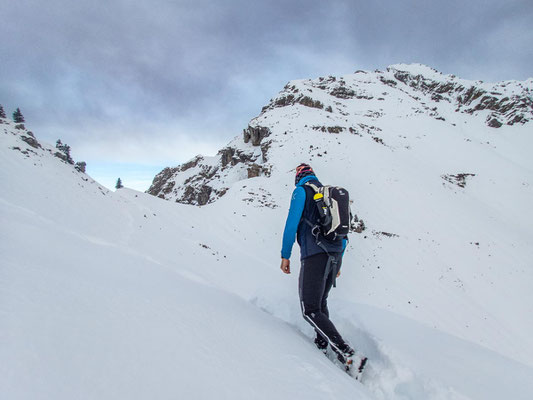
[[320, 263]]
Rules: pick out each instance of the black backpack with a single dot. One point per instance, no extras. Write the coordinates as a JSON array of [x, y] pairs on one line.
[[333, 203]]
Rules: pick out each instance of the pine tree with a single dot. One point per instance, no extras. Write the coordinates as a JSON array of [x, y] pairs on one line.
[[119, 184], [65, 152], [2, 112], [18, 117]]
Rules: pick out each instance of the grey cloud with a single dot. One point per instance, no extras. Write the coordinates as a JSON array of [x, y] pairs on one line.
[[207, 67]]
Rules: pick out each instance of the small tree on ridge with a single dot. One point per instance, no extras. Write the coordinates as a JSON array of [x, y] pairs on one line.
[[18, 117]]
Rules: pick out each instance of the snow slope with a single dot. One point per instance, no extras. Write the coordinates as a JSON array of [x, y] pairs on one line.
[[125, 295], [102, 296], [417, 152]]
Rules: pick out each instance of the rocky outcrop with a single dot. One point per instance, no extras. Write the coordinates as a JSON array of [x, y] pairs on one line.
[[341, 92], [255, 170], [29, 138], [508, 110], [290, 99], [162, 183], [494, 123], [203, 181], [232, 156], [196, 195], [255, 134]]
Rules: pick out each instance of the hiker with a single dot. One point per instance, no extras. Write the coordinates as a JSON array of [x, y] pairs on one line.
[[320, 262]]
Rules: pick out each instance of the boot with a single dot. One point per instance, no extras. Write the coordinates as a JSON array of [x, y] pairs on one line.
[[322, 344], [345, 354]]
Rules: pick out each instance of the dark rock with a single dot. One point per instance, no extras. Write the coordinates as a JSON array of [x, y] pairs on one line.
[[309, 102], [284, 101], [246, 135], [226, 155], [342, 92], [457, 179], [265, 146], [494, 123], [161, 185], [191, 164], [254, 170], [196, 195], [256, 134], [357, 225], [61, 156], [388, 82], [335, 129], [32, 142]]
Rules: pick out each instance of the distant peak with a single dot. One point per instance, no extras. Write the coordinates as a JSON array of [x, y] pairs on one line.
[[416, 69]]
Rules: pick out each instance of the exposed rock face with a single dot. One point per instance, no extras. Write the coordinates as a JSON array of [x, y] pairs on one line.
[[255, 134], [232, 156], [494, 123], [162, 184], [30, 139], [198, 182], [470, 99], [197, 195], [255, 170], [203, 180]]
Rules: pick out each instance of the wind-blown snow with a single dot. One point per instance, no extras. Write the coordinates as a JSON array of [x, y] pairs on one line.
[[125, 295]]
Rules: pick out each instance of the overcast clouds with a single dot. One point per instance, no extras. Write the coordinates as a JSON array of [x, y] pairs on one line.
[[157, 82]]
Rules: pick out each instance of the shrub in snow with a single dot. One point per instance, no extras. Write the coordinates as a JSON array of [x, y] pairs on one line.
[[80, 166]]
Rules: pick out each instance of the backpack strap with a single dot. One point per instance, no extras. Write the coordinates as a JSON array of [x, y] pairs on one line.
[[313, 186]]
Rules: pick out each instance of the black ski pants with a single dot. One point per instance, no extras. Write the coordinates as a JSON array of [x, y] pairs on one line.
[[317, 276]]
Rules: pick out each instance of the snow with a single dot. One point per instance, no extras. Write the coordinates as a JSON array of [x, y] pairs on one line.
[[125, 295], [87, 312]]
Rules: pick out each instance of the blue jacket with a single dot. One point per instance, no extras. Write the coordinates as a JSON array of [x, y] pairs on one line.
[[301, 207]]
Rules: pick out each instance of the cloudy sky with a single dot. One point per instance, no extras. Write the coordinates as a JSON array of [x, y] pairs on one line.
[[134, 86]]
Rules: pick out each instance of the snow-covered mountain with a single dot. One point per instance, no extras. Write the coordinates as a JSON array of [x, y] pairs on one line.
[[390, 107], [125, 295]]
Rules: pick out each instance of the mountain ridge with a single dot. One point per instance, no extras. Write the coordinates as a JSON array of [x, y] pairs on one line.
[[354, 103]]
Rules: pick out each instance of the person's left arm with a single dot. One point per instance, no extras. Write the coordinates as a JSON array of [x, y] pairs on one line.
[[291, 227]]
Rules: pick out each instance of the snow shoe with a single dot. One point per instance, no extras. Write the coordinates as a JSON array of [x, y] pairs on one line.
[[322, 344], [354, 363], [344, 354], [355, 366]]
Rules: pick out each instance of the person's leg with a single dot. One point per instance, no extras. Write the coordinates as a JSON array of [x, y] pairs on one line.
[[321, 341], [315, 283], [330, 281]]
